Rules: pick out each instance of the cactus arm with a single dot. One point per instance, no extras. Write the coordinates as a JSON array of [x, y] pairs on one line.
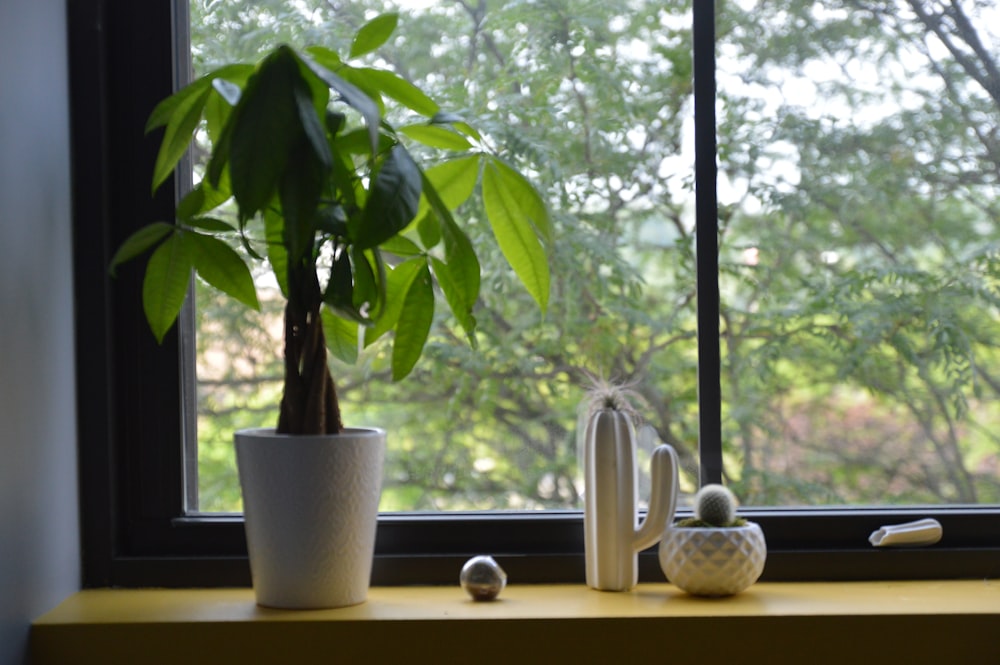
[[662, 497]]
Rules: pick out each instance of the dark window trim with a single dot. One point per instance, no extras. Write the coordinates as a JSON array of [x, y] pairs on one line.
[[132, 496], [707, 238]]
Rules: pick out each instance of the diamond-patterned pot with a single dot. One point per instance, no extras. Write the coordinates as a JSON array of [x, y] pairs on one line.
[[713, 561]]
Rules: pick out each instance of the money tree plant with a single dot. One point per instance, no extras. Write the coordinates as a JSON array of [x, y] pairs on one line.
[[357, 227]]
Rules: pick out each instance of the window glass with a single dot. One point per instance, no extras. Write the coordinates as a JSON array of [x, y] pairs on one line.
[[592, 100], [859, 161], [858, 190]]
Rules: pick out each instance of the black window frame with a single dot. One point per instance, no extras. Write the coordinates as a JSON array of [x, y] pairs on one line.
[[134, 529]]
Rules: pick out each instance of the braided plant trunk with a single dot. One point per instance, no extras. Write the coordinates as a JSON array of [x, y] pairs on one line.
[[309, 404]]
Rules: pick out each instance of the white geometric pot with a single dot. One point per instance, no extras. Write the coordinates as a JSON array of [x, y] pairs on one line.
[[713, 561], [310, 504]]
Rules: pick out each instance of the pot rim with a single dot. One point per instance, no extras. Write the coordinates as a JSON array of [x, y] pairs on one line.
[[270, 433], [749, 526]]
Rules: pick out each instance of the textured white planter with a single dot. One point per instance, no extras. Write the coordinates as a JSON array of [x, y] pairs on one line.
[[311, 506], [713, 561]]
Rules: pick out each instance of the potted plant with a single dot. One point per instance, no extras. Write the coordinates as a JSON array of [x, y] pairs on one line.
[[357, 233], [716, 552]]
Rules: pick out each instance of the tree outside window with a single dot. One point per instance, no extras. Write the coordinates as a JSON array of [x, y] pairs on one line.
[[859, 256]]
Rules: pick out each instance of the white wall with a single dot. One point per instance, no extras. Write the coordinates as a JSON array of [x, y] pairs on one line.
[[39, 525]]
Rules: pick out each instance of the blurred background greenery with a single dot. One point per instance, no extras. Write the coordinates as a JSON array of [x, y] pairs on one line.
[[860, 265]]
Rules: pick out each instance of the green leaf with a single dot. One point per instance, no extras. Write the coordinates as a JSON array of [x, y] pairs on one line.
[[392, 201], [340, 289], [332, 220], [458, 122], [274, 230], [191, 204], [266, 129], [161, 114], [460, 257], [397, 285], [201, 198], [401, 246], [177, 137], [353, 96], [168, 108], [219, 265], [219, 107], [396, 87], [366, 289], [216, 173], [414, 325], [216, 114], [506, 203], [165, 285], [139, 242], [300, 190], [313, 122], [341, 336], [464, 273], [345, 181], [436, 137], [362, 82], [525, 196], [356, 143], [455, 295], [325, 57], [429, 229], [454, 181], [211, 224], [374, 34]]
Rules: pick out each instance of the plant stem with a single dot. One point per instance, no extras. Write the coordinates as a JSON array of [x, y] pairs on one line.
[[309, 404]]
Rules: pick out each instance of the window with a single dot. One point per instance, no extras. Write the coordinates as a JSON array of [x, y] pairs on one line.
[[137, 530]]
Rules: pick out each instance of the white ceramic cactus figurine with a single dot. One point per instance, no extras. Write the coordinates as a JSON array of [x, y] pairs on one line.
[[612, 536]]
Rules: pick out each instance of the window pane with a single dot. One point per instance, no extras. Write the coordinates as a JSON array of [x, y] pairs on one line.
[[860, 163], [594, 99]]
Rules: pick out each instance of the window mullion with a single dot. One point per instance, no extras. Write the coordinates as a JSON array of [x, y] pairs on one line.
[[706, 233]]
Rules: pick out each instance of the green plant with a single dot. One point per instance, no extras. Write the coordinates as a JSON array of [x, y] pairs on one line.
[[327, 194], [714, 506]]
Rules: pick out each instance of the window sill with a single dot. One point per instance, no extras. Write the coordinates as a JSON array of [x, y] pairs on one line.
[[946, 621]]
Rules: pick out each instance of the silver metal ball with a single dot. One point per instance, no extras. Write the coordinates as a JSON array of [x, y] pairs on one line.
[[483, 578]]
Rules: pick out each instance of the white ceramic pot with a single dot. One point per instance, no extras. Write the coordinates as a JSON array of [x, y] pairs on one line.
[[713, 561], [311, 507]]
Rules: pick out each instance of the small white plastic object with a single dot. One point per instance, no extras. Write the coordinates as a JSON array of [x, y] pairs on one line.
[[483, 578], [921, 532]]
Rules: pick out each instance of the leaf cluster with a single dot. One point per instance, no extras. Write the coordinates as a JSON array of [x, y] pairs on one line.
[[301, 142]]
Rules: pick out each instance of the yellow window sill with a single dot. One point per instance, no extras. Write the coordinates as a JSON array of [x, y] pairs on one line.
[[865, 622]]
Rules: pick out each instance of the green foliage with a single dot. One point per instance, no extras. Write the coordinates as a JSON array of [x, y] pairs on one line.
[[373, 34], [284, 148], [859, 270]]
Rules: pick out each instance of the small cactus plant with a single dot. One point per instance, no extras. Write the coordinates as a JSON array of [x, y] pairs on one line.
[[714, 506], [718, 553]]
